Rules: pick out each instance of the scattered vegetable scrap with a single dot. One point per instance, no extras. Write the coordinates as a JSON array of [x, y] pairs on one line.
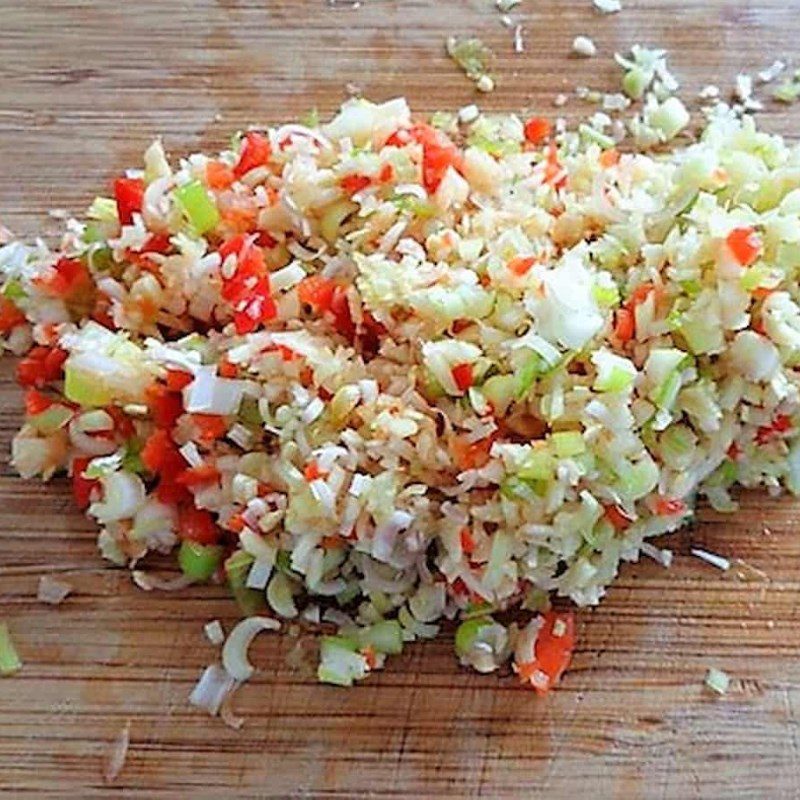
[[717, 681], [9, 660], [474, 57]]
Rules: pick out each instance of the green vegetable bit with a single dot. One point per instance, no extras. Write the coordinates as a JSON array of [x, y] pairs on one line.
[[199, 561], [9, 660], [199, 208]]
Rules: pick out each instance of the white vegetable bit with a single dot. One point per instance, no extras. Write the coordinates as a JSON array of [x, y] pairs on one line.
[[607, 6], [214, 632], [718, 681], [712, 558], [584, 46]]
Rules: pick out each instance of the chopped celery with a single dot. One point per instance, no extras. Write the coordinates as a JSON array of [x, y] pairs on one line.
[[100, 259], [635, 82], [568, 443], [199, 208], [605, 296], [13, 290], [237, 568], [348, 594], [340, 661], [310, 119], [333, 217], [84, 388], [500, 390], [539, 466], [495, 147], [199, 561], [9, 660], [471, 54], [468, 631], [413, 205], [531, 369], [384, 637], [103, 209], [51, 419]]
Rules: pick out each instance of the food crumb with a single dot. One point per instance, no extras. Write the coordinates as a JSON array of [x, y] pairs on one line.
[[607, 6], [485, 84], [117, 754], [584, 47]]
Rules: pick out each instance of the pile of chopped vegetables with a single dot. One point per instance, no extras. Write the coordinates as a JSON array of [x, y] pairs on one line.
[[382, 373]]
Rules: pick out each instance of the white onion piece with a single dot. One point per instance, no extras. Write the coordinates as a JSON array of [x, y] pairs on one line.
[[294, 129], [234, 651], [117, 754], [214, 632], [123, 494], [90, 445], [52, 590], [147, 581], [153, 212], [226, 711], [212, 688]]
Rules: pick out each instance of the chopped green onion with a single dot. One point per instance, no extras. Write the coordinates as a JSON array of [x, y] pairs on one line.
[[13, 290], [84, 388], [199, 208], [568, 443], [340, 661], [237, 568], [787, 92], [539, 465], [9, 660], [199, 561], [103, 209], [384, 637], [467, 633]]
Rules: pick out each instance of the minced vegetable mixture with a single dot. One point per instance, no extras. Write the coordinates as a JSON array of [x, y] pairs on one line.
[[380, 372]]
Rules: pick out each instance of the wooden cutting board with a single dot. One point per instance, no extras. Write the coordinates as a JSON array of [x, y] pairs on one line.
[[83, 88]]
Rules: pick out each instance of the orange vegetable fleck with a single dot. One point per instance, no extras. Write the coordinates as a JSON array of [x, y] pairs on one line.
[[624, 325], [617, 517], [463, 377], [355, 183], [219, 175], [744, 244], [609, 158], [316, 291], [537, 130], [520, 265], [209, 426]]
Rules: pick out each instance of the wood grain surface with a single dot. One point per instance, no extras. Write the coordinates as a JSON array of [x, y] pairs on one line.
[[83, 88]]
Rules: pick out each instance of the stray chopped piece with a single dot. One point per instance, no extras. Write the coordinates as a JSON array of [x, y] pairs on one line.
[[9, 660], [712, 558], [485, 84], [519, 44], [772, 72], [709, 92], [744, 87], [52, 591], [607, 6], [718, 681], [117, 754], [468, 114], [473, 56], [560, 100], [506, 5], [584, 46], [787, 92], [214, 632]]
